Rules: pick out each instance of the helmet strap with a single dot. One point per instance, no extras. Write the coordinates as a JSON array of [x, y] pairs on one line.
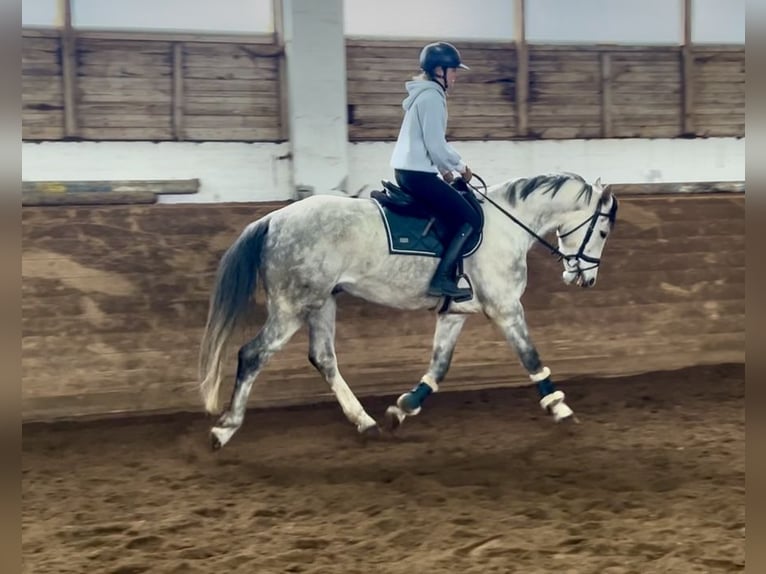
[[441, 80]]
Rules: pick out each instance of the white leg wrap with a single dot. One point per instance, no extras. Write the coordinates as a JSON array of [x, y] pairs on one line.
[[541, 376], [556, 405], [561, 411], [549, 401]]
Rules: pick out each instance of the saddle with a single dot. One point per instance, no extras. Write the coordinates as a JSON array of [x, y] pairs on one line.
[[413, 229]]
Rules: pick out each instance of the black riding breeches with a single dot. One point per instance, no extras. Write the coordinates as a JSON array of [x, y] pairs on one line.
[[444, 201]]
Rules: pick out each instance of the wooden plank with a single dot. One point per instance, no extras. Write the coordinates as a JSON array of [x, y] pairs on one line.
[[159, 133], [227, 107], [246, 73], [34, 36], [232, 54], [225, 122], [567, 132], [687, 72], [148, 52], [177, 96], [37, 198], [606, 96], [47, 118], [238, 87], [641, 130], [158, 186], [127, 108], [42, 133], [158, 36], [266, 134], [69, 72], [522, 69], [126, 121], [737, 187]]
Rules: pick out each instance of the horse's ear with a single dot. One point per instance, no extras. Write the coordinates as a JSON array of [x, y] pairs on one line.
[[597, 183]]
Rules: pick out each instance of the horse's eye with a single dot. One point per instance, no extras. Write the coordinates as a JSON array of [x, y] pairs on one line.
[[603, 234]]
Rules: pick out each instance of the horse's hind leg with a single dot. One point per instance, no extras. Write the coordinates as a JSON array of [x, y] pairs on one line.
[[322, 356], [252, 357], [448, 329]]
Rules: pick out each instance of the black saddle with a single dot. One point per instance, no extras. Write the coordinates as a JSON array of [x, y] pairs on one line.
[[402, 202]]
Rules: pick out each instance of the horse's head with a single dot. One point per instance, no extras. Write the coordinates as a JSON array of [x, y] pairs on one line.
[[583, 235]]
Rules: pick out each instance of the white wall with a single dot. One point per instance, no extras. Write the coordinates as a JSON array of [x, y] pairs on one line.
[[227, 171], [254, 172]]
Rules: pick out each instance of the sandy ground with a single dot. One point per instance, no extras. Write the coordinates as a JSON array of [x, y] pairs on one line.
[[652, 480]]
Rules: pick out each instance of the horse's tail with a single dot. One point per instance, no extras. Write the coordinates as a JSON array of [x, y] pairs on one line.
[[234, 284]]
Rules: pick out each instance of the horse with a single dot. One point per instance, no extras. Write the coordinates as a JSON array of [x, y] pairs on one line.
[[311, 250]]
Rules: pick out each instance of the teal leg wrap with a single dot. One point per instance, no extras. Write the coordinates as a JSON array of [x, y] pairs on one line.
[[545, 387], [414, 399]]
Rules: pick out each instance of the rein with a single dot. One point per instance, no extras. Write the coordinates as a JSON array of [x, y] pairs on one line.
[[580, 255]]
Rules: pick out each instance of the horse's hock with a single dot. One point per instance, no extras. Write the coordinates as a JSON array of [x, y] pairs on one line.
[[115, 300]]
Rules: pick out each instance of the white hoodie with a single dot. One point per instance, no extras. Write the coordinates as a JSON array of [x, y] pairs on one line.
[[422, 145]]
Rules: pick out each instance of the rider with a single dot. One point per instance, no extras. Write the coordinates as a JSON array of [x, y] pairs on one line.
[[422, 153]]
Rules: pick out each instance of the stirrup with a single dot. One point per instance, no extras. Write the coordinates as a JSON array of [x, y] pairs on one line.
[[458, 295]]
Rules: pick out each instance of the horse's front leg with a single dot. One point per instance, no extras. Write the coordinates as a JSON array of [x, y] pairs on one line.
[[448, 329], [514, 326]]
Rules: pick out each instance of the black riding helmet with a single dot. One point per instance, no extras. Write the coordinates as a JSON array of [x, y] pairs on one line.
[[441, 54]]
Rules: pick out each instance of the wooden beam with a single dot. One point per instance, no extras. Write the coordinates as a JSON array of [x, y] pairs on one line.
[[178, 91], [279, 40], [522, 70], [37, 198], [156, 186], [687, 71], [68, 68], [607, 130], [151, 36], [678, 188]]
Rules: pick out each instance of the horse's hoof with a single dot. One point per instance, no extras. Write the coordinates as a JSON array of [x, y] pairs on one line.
[[568, 420], [371, 433], [394, 418], [219, 436]]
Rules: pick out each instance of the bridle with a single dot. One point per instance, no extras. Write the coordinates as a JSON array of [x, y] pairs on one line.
[[576, 258]]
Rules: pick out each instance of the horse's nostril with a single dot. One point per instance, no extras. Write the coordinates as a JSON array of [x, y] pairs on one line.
[[591, 281]]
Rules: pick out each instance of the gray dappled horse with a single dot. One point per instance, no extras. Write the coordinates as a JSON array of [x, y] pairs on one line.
[[311, 250]]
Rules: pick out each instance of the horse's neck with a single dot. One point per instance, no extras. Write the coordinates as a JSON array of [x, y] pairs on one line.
[[540, 212]]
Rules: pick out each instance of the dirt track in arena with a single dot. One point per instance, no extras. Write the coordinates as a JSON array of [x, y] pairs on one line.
[[652, 480]]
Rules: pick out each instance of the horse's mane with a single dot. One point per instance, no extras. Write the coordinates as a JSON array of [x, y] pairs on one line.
[[523, 187]]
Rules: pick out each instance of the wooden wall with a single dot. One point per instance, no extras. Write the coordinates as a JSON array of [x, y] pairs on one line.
[[163, 87], [130, 89], [115, 299]]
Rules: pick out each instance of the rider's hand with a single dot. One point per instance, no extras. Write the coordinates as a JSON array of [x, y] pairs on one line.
[[448, 176], [467, 175]]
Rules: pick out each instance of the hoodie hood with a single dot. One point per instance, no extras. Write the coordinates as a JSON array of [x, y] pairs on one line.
[[417, 87]]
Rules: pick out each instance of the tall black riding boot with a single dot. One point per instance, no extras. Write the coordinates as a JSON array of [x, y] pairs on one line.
[[444, 282]]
